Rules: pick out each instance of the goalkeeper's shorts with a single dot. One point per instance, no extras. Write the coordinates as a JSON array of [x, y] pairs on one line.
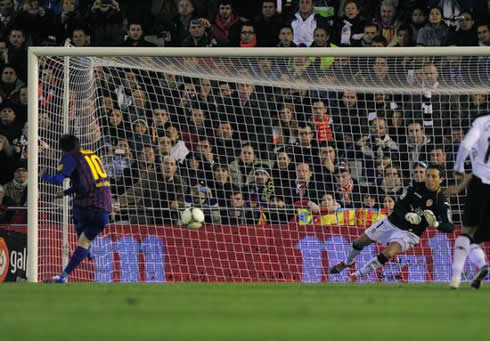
[[385, 232]]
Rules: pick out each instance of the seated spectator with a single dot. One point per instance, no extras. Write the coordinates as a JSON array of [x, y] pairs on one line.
[[261, 189], [17, 188], [198, 125], [227, 25], [416, 147], [80, 37], [201, 196], [347, 191], [391, 184], [325, 170], [418, 19], [198, 34], [185, 13], [7, 14], [387, 20], [379, 41], [474, 106], [242, 169], [465, 34], [36, 21], [193, 168], [322, 121], [328, 203], [388, 204], [369, 198], [403, 37], [286, 128], [66, 21], [140, 134], [369, 32], [286, 36], [303, 191], [305, 21], [143, 169], [248, 36], [268, 24], [206, 96], [238, 213], [10, 83], [7, 160], [106, 22], [350, 27], [226, 142], [10, 127], [321, 38], [118, 163], [5, 202], [136, 37], [115, 127], [418, 172], [306, 149], [208, 156], [483, 34], [282, 173], [435, 33], [351, 119], [159, 123], [221, 185]]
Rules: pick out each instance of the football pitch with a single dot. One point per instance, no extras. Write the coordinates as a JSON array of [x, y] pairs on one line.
[[231, 311]]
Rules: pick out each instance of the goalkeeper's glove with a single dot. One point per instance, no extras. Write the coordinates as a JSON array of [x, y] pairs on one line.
[[413, 218], [431, 218]]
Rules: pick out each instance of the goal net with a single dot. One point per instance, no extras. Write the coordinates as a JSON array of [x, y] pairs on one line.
[[290, 155]]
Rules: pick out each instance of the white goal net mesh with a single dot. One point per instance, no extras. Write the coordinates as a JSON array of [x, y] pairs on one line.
[[289, 158]]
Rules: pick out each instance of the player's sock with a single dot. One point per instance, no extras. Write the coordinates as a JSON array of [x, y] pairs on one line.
[[477, 256], [77, 257], [375, 263], [461, 248], [353, 253]]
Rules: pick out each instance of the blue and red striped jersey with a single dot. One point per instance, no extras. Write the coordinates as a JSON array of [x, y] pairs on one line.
[[89, 180]]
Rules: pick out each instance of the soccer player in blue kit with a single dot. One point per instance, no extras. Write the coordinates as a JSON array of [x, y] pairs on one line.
[[92, 204]]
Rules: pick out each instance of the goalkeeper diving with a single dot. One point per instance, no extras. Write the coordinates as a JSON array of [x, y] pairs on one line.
[[422, 204]]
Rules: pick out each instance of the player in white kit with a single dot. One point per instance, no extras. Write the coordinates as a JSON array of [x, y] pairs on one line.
[[476, 215]]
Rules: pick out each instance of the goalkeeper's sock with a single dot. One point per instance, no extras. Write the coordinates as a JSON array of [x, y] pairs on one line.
[[374, 264], [461, 248], [77, 257], [477, 256], [353, 253]]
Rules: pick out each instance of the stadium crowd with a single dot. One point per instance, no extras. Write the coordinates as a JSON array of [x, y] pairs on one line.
[[241, 151]]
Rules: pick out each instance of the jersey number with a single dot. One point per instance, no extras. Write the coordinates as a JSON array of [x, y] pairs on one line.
[[95, 165]]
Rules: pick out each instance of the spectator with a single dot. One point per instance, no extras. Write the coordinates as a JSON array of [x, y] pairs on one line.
[[180, 23], [415, 148], [438, 156], [388, 204], [115, 127], [403, 37], [352, 118], [378, 144], [159, 123], [347, 191], [304, 192], [10, 83], [5, 202], [226, 142], [136, 37], [380, 41], [465, 34], [286, 36], [369, 32], [242, 168], [418, 20], [226, 24], [286, 130], [4, 52], [474, 106], [208, 156], [282, 173], [7, 14], [16, 189], [305, 21], [268, 24], [106, 20], [483, 34], [201, 196], [321, 39], [143, 169], [238, 213], [119, 163], [325, 170], [80, 37], [351, 27], [248, 36], [435, 32], [193, 170], [222, 186], [140, 134], [198, 34], [7, 160], [36, 21], [369, 198], [305, 150], [65, 21], [206, 95], [391, 184], [328, 203], [418, 172], [387, 21], [322, 122], [10, 127]]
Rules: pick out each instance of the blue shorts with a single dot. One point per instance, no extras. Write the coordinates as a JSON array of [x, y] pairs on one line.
[[89, 221]]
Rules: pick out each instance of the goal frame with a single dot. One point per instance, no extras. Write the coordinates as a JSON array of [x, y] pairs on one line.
[[34, 53]]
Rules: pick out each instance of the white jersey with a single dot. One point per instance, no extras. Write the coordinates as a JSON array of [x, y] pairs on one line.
[[476, 144]]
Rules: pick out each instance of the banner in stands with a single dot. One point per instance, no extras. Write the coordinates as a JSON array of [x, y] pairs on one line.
[[13, 255]]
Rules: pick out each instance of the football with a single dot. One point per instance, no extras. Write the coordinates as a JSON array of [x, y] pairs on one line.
[[192, 217]]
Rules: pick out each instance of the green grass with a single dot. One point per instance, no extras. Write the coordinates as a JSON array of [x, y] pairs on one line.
[[231, 312]]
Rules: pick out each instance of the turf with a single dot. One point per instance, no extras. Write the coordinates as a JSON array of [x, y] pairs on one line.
[[221, 311]]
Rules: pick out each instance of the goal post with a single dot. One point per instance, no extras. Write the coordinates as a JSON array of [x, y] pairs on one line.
[[77, 93]]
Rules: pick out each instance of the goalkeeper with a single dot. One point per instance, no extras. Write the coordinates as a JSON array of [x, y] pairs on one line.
[[421, 205]]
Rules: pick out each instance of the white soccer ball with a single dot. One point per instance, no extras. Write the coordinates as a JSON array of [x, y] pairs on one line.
[[193, 217]]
